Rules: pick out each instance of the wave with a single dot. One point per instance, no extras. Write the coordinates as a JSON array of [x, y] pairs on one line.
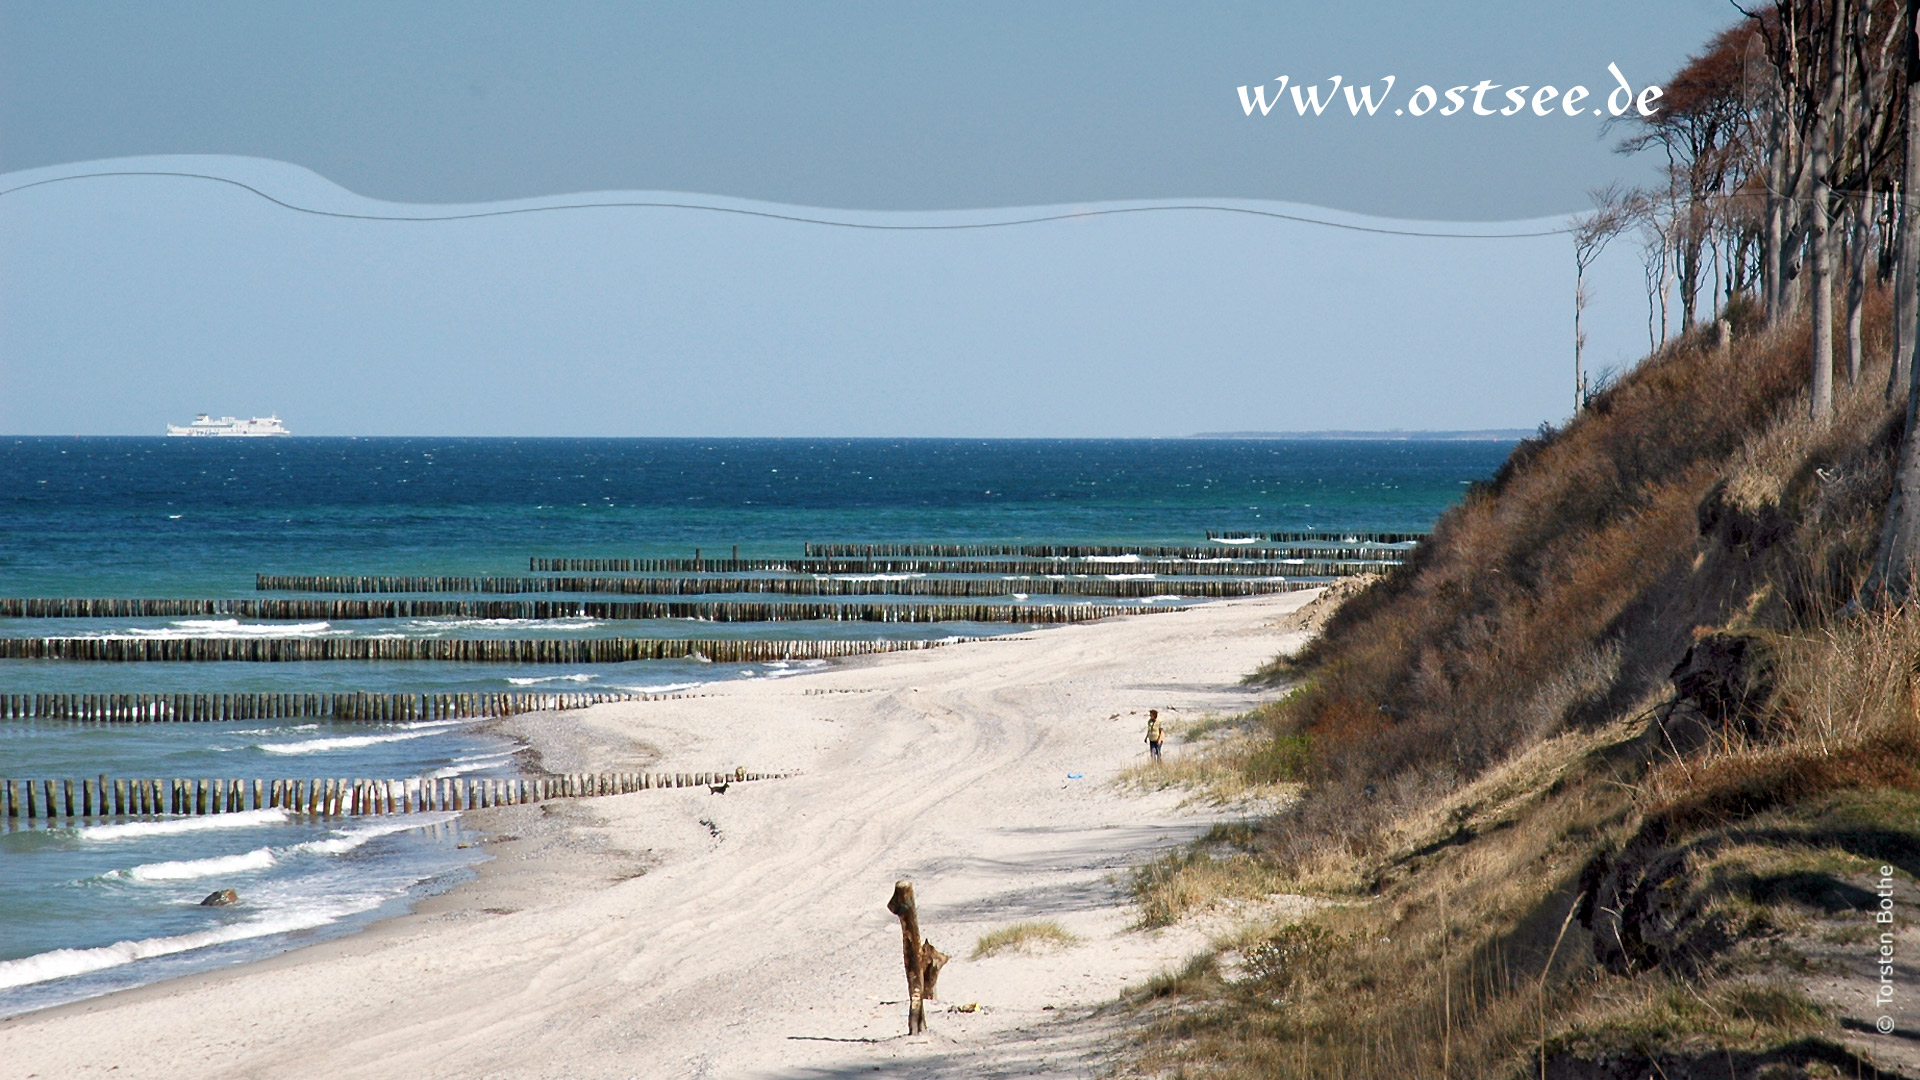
[[463, 766], [64, 963], [1236, 540], [348, 839], [341, 742], [225, 628], [417, 729], [870, 577], [1113, 558], [579, 677], [1130, 577], [241, 820], [273, 730], [341, 842], [663, 688], [570, 622], [187, 869]]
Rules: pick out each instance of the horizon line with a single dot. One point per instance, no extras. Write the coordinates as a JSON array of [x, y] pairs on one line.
[[1328, 435]]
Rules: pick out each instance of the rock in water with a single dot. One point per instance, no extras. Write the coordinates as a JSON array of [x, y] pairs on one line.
[[221, 898]]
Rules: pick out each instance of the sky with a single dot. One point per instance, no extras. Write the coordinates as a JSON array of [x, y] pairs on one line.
[[128, 302]]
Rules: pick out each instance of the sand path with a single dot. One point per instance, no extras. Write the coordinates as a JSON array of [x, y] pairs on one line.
[[684, 934]]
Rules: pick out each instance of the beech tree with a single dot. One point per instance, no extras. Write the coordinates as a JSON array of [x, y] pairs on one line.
[[1791, 170]]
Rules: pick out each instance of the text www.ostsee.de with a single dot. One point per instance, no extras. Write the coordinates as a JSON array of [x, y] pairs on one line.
[[1542, 100]]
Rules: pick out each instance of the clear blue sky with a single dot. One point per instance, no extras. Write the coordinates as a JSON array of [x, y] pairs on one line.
[[125, 303]]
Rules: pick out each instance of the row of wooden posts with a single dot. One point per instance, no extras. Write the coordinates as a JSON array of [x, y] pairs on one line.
[[1053, 570], [1025, 580], [703, 610], [468, 650], [114, 797], [988, 562], [337, 707], [1322, 536], [1090, 551]]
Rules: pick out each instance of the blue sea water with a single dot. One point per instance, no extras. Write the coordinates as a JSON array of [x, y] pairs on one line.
[[90, 909]]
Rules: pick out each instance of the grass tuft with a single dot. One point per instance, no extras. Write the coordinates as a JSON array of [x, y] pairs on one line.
[[1038, 935], [1185, 882]]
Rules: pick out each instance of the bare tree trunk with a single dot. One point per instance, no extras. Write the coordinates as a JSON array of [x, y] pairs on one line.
[[1819, 237], [1820, 288], [1899, 555], [1905, 298], [902, 904], [1686, 263], [1906, 271], [923, 961], [1773, 243], [1857, 241], [1579, 339]]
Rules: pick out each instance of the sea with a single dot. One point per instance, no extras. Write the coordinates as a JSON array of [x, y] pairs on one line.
[[114, 903]]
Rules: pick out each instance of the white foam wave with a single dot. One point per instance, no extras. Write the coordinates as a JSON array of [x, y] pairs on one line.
[[1113, 558], [471, 765], [225, 628], [349, 839], [63, 963], [1236, 539], [187, 869], [873, 577], [578, 677], [662, 688], [241, 820], [342, 742], [341, 842], [1130, 577], [571, 622], [274, 730]]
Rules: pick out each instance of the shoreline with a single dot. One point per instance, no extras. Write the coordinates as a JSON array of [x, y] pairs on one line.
[[680, 933]]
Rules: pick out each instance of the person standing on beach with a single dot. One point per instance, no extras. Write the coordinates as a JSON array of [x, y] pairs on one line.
[[1154, 734]]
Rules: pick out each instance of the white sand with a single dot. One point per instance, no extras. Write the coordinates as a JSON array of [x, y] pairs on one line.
[[685, 934]]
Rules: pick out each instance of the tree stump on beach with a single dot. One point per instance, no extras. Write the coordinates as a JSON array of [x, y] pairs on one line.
[[923, 961]]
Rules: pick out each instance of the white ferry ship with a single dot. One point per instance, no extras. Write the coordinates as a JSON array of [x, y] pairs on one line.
[[205, 426]]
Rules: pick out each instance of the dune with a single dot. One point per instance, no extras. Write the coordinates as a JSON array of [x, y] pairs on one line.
[[683, 933]]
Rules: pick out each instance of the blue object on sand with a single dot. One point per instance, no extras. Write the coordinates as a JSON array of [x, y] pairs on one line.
[[1073, 776]]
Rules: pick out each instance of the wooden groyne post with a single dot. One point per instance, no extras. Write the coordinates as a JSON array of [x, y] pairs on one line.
[[467, 650], [923, 961], [357, 707], [910, 611], [110, 797]]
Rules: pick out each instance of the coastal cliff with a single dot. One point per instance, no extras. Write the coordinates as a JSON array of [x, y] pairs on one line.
[[1613, 778]]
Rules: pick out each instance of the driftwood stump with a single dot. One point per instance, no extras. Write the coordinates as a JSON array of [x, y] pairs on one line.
[[923, 961]]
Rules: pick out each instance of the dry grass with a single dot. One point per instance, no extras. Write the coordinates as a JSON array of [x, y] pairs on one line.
[[1182, 883], [1039, 935], [1216, 760], [1478, 738], [1561, 593], [1842, 717]]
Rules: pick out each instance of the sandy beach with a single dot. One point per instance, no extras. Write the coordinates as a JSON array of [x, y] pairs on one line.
[[687, 934]]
